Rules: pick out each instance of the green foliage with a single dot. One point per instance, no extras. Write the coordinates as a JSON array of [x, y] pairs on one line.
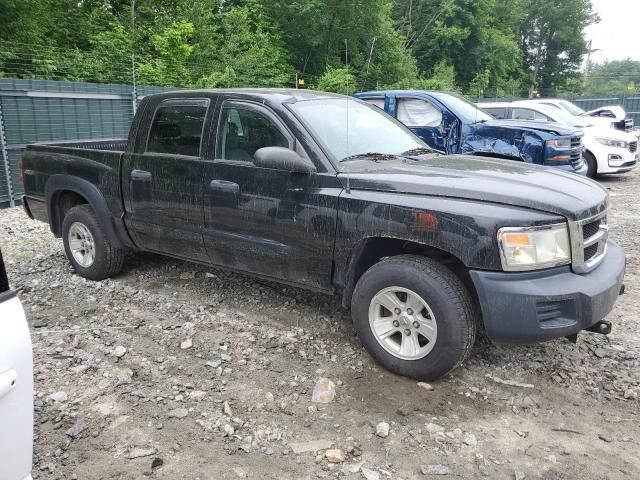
[[442, 78], [488, 47], [613, 78], [337, 80], [168, 65], [552, 41]]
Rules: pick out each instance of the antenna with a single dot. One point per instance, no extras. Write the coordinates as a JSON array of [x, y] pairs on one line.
[[346, 60]]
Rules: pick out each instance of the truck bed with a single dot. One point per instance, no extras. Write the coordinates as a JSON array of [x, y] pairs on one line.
[[93, 162]]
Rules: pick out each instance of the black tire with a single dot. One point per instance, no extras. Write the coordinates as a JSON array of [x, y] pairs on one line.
[[108, 260], [592, 165], [448, 299]]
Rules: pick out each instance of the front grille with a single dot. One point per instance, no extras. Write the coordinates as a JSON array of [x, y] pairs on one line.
[[576, 153], [633, 146], [590, 229], [589, 239], [590, 252]]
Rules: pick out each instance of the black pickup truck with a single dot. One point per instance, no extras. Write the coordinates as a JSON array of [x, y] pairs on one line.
[[329, 193]]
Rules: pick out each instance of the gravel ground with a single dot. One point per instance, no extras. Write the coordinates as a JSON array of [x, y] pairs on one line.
[[174, 370]]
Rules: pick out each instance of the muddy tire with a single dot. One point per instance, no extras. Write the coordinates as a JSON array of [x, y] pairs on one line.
[[87, 247], [414, 316]]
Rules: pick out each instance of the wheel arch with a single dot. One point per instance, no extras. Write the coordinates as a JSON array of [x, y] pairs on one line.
[[371, 250], [64, 192]]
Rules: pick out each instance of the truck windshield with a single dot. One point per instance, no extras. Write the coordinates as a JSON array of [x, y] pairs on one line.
[[561, 116], [571, 108], [348, 128], [462, 108]]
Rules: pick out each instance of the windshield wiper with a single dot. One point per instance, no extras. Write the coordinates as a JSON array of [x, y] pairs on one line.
[[419, 151], [376, 156]]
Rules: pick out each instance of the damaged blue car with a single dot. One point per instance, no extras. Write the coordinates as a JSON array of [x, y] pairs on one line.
[[450, 124]]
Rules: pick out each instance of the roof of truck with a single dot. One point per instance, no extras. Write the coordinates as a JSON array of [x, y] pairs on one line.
[[273, 94]]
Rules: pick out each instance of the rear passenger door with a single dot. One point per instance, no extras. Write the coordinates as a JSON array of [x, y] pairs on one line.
[[162, 183]]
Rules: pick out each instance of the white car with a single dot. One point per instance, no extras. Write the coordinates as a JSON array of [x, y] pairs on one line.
[[606, 150], [16, 386], [609, 116]]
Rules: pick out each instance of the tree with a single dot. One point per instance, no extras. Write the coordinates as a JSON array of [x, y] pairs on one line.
[[337, 80], [337, 33], [552, 41], [474, 36], [613, 78]]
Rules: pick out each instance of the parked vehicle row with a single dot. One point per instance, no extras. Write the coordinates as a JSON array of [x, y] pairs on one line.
[[450, 124], [329, 193], [606, 150]]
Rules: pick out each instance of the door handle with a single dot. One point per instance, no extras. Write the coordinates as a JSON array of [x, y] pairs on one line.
[[224, 186], [141, 175], [7, 382]]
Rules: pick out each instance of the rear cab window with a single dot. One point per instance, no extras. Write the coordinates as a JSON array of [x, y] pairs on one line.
[[177, 127]]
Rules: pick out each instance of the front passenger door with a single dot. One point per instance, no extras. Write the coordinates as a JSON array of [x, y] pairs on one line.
[[241, 201], [270, 222]]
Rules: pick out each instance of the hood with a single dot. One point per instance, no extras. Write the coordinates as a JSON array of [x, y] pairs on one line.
[[616, 110], [482, 179], [612, 133], [549, 127]]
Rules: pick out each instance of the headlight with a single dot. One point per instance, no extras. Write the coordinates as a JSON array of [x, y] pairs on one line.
[[610, 142], [559, 143], [532, 248]]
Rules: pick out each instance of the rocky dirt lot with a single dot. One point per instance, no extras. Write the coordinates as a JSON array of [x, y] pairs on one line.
[[174, 370]]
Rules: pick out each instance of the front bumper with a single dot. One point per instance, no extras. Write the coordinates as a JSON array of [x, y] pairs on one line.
[[529, 307], [624, 162]]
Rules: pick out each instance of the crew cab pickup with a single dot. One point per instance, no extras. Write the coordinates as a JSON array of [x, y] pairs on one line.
[[16, 386], [451, 124], [329, 193]]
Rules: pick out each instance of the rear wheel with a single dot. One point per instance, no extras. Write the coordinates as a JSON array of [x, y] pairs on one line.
[[592, 165], [87, 247], [414, 316]]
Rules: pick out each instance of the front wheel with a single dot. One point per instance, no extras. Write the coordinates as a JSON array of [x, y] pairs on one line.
[[592, 165], [414, 316], [87, 247]]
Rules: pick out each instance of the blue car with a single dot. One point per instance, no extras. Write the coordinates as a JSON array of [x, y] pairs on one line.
[[450, 124]]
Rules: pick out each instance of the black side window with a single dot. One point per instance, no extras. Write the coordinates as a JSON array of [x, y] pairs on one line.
[[242, 131], [177, 130]]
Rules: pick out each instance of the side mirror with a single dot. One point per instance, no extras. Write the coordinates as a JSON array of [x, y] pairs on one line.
[[280, 158]]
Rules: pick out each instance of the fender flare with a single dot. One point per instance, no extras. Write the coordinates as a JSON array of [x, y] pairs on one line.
[[350, 279], [94, 197]]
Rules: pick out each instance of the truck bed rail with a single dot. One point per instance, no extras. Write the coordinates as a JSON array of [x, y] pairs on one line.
[[111, 144]]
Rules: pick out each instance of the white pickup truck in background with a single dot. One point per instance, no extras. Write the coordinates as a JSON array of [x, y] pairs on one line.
[[609, 116], [16, 386]]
